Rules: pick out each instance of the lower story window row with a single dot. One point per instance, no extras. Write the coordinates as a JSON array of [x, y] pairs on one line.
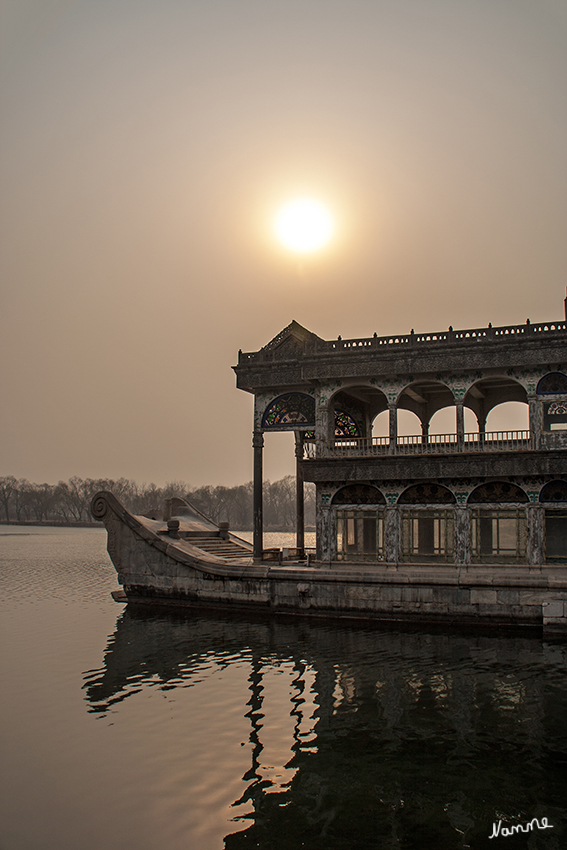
[[496, 535]]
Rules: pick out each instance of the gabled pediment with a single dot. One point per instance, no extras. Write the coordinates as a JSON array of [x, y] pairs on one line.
[[291, 342]]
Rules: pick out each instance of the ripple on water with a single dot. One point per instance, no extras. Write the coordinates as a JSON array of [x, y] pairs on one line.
[[218, 731]]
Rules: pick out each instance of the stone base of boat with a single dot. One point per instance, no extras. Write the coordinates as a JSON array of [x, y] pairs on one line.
[[158, 569], [433, 603]]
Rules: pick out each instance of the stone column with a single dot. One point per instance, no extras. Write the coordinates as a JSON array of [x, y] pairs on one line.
[[325, 535], [392, 532], [462, 534], [299, 496], [258, 539], [424, 431], [535, 421], [393, 428], [322, 427], [534, 534], [460, 423]]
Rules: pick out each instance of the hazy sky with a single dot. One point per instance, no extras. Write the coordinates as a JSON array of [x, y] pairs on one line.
[[145, 149]]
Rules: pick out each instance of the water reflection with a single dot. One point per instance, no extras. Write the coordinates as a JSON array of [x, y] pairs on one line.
[[360, 737]]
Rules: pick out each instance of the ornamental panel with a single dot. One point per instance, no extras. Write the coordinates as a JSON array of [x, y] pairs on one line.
[[289, 411]]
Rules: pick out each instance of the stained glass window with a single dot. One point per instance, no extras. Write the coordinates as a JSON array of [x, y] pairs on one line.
[[358, 494], [345, 426], [427, 494], [555, 491], [556, 382], [557, 408], [290, 410], [497, 491]]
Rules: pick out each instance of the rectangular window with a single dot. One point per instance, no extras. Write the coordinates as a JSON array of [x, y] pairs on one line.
[[556, 536], [428, 535], [498, 535], [360, 534]]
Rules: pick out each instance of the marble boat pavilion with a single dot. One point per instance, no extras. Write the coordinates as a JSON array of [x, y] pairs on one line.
[[468, 497]]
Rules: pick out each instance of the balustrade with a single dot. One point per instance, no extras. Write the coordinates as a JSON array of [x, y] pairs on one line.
[[449, 337], [489, 441]]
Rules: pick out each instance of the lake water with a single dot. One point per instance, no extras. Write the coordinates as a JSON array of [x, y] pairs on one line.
[[129, 729]]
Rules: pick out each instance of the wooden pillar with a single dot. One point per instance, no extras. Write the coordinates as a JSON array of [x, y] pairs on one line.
[[258, 539], [424, 431], [299, 496]]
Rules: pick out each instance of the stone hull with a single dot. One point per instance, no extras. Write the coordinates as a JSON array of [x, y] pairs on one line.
[[153, 567]]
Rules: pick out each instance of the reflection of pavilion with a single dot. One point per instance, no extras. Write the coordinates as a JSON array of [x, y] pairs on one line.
[[401, 736], [466, 497]]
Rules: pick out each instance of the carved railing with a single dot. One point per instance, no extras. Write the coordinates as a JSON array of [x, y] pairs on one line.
[[419, 340], [489, 441]]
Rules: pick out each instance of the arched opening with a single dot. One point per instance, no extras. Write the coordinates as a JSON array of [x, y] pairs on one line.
[[381, 424], [498, 534], [428, 534], [445, 421], [408, 424], [353, 410], [509, 416], [500, 405], [359, 531], [554, 496]]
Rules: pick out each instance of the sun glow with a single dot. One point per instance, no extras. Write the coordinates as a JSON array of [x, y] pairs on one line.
[[304, 225]]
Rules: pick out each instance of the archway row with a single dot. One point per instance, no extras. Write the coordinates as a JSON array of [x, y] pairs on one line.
[[491, 492]]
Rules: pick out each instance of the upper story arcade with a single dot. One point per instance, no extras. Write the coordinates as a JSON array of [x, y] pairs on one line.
[[333, 392]]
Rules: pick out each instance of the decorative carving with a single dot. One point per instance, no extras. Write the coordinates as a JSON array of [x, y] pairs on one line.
[[459, 384], [99, 506], [326, 391], [391, 387], [528, 378], [290, 343]]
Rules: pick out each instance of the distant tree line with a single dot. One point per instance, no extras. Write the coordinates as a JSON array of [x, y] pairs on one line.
[[69, 501]]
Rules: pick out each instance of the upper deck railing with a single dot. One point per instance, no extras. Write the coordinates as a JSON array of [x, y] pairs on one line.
[[490, 441], [419, 340]]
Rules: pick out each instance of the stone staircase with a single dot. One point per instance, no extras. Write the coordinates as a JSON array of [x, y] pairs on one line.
[[221, 548]]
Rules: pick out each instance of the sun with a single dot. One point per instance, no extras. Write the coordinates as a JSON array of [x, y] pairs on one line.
[[304, 225]]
